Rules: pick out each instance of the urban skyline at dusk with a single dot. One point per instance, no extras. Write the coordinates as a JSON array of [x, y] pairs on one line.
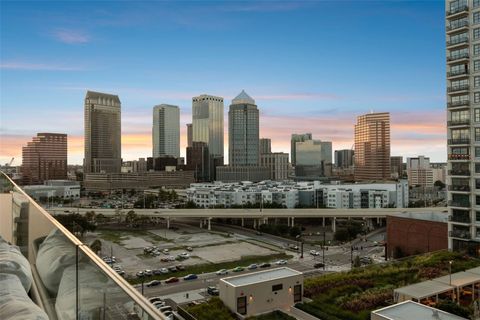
[[304, 79]]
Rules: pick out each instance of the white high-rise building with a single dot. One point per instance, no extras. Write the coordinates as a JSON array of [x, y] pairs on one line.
[[419, 172], [207, 122], [463, 120], [166, 131]]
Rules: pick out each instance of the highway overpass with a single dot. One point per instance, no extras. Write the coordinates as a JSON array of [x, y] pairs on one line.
[[258, 216]]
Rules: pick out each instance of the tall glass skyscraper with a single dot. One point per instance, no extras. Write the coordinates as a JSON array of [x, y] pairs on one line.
[[207, 122], [166, 131], [463, 118], [243, 132], [293, 148], [103, 139]]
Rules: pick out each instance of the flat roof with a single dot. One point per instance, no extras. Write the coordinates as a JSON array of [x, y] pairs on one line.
[[409, 310], [427, 216], [424, 289], [474, 270], [261, 276], [460, 279]]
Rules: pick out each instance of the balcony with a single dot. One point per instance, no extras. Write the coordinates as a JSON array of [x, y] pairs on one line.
[[457, 57], [457, 74], [459, 172], [457, 26], [457, 42], [69, 280], [458, 157], [458, 88], [459, 218], [460, 122], [459, 234], [458, 141], [453, 13], [461, 188], [458, 203]]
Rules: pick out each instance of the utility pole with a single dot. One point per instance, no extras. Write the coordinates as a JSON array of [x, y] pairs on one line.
[[323, 250], [351, 256]]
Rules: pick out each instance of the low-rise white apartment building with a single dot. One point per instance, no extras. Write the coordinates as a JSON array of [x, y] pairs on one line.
[[300, 194]]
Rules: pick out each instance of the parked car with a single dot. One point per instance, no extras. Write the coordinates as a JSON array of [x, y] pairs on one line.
[[180, 267], [165, 309], [314, 253], [318, 265], [366, 260], [265, 265], [153, 283], [184, 255], [155, 299], [253, 266], [189, 249], [140, 274], [238, 269], [172, 280], [168, 315], [156, 271], [222, 272], [172, 269], [165, 251], [190, 277], [164, 270], [293, 247], [213, 291], [281, 262], [148, 272], [159, 304]]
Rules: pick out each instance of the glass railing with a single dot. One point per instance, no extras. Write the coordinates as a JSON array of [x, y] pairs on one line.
[[455, 156], [457, 25], [459, 218], [463, 234], [459, 141], [71, 281], [459, 172], [457, 73], [458, 88], [459, 56], [458, 122], [459, 203], [456, 10], [461, 187], [456, 41]]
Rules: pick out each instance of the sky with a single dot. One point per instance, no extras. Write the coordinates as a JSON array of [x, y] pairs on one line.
[[311, 66]]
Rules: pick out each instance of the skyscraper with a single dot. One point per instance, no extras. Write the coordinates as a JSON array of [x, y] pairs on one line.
[[265, 145], [189, 135], [166, 131], [462, 113], [103, 140], [419, 172], [344, 158], [297, 138], [207, 122], [396, 167], [243, 131], [372, 147], [44, 158]]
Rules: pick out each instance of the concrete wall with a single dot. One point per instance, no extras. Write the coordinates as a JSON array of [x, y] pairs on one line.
[[6, 217]]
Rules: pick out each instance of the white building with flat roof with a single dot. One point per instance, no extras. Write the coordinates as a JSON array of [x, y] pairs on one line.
[[262, 291], [412, 310]]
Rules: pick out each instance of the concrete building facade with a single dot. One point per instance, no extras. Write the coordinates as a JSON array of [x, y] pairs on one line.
[[103, 139], [44, 158], [372, 147], [277, 163], [419, 172], [344, 158], [242, 173], [166, 131], [396, 167], [262, 291], [265, 145], [189, 134]]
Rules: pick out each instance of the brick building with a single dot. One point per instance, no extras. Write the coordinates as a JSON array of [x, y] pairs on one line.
[[415, 233]]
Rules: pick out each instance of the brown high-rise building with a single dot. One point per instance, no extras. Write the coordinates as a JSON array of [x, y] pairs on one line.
[[44, 158], [189, 134], [103, 141], [198, 160], [372, 147]]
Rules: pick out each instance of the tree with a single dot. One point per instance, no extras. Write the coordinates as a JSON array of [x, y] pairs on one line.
[[131, 217], [341, 235], [356, 262], [75, 223], [90, 216], [96, 246], [439, 184]]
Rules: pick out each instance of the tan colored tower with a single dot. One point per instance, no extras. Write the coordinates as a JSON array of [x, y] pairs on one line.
[[44, 158], [372, 147], [103, 140]]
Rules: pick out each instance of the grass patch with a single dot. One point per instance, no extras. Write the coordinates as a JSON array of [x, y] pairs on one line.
[[212, 267], [213, 309], [275, 315], [353, 295], [113, 236]]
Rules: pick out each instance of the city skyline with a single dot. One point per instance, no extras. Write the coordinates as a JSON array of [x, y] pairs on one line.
[[323, 93]]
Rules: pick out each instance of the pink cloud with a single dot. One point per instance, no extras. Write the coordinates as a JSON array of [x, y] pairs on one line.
[[71, 36]]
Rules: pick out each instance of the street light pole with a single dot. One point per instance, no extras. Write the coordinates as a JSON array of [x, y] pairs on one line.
[[323, 250], [351, 256], [450, 270]]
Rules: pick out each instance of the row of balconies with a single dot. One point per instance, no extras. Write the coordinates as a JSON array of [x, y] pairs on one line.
[[462, 87], [457, 73], [456, 26], [459, 122], [459, 141], [456, 57], [457, 41], [456, 12], [459, 103]]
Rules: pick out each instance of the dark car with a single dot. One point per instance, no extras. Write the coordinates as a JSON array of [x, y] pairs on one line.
[[172, 280], [190, 277], [153, 283], [265, 265], [157, 271], [318, 265], [213, 291]]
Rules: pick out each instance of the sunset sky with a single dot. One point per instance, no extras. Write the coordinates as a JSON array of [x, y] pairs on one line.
[[311, 67]]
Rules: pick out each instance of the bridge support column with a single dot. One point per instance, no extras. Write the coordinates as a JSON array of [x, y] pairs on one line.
[[254, 223], [293, 222], [243, 222], [323, 222], [209, 223], [168, 223], [378, 221], [265, 220], [201, 223], [334, 224], [288, 222]]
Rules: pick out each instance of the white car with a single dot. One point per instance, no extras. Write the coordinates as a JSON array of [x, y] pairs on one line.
[[165, 251], [314, 253], [184, 255], [281, 262], [164, 270], [222, 272]]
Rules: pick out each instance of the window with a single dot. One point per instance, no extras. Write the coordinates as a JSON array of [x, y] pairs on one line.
[[477, 200], [476, 65], [476, 17], [297, 293], [477, 167], [477, 152], [476, 82], [477, 134], [476, 33], [277, 287], [476, 97], [476, 115], [476, 3], [476, 49]]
